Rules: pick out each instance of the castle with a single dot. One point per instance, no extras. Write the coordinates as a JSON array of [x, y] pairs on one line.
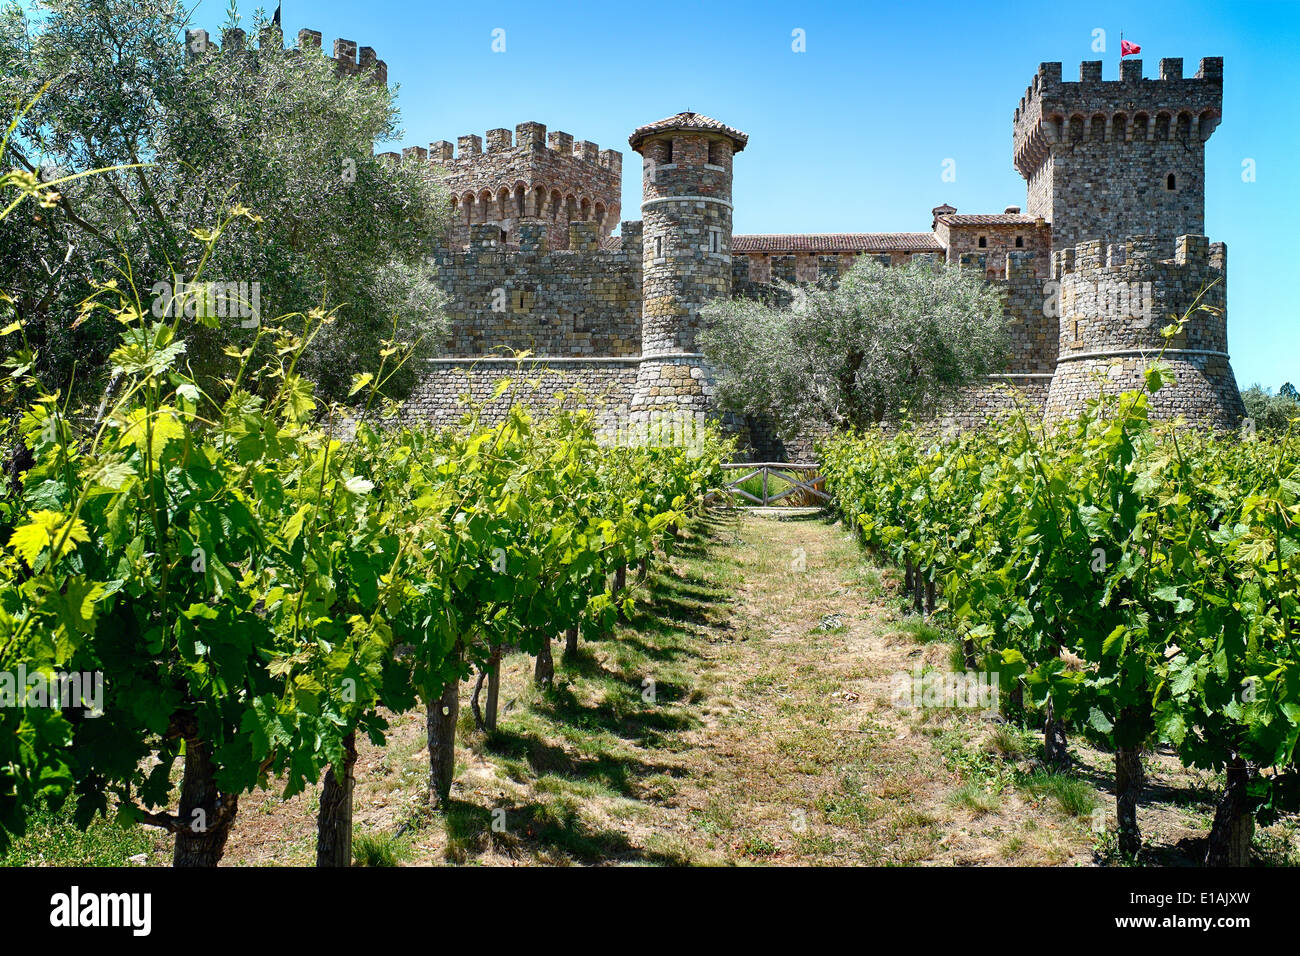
[[1108, 250]]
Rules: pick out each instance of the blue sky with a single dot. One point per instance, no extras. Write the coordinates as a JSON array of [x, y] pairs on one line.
[[851, 135]]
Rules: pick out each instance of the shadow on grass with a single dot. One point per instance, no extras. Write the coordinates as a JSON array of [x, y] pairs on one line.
[[540, 828], [620, 774]]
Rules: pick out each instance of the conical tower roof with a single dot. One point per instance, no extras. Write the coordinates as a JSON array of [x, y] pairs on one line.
[[688, 121]]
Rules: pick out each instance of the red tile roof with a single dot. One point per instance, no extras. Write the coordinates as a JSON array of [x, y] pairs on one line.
[[688, 121], [1000, 219], [839, 242]]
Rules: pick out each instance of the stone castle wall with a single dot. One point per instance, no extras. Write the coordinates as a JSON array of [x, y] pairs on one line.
[[1115, 300], [347, 58], [449, 386], [999, 243], [578, 301]]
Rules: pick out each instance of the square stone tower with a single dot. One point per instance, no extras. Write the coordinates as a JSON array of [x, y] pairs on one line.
[[1111, 158]]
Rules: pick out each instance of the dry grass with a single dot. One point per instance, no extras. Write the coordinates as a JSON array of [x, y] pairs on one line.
[[771, 738]]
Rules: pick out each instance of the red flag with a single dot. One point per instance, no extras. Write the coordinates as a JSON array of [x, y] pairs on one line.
[[1125, 48]]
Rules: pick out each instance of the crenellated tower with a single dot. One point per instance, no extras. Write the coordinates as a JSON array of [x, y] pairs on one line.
[[1115, 300], [1109, 158], [348, 60], [528, 178], [686, 213]]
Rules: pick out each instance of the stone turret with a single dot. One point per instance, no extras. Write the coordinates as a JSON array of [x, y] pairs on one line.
[[686, 213], [1116, 298], [1106, 158]]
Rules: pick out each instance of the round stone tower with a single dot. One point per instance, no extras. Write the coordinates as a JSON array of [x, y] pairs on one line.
[[1115, 300], [686, 261]]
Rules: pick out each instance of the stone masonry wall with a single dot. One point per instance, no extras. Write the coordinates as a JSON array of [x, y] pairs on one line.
[[1115, 300], [603, 386], [999, 242], [580, 301], [1029, 307]]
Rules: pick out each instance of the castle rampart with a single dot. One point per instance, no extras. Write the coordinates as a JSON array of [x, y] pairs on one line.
[[347, 59], [527, 176], [581, 300], [1116, 298]]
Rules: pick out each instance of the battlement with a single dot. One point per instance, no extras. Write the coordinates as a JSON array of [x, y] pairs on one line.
[[1117, 301], [530, 136], [509, 178], [1129, 109], [1140, 258], [348, 59]]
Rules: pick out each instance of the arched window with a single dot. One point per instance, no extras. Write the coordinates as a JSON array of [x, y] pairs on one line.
[[1020, 242], [983, 242], [600, 215], [1119, 127], [1205, 125], [1171, 183], [1098, 128]]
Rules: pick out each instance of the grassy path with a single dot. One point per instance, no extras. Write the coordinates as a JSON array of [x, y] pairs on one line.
[[743, 715]]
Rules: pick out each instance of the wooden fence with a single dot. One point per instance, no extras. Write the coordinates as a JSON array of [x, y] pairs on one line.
[[804, 478]]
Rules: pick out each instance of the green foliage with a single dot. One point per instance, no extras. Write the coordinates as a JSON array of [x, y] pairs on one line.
[[378, 849], [1271, 413], [880, 343], [186, 137], [1140, 578], [243, 578]]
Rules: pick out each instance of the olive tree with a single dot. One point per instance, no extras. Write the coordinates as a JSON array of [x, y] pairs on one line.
[[881, 342], [1269, 412], [186, 135]]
